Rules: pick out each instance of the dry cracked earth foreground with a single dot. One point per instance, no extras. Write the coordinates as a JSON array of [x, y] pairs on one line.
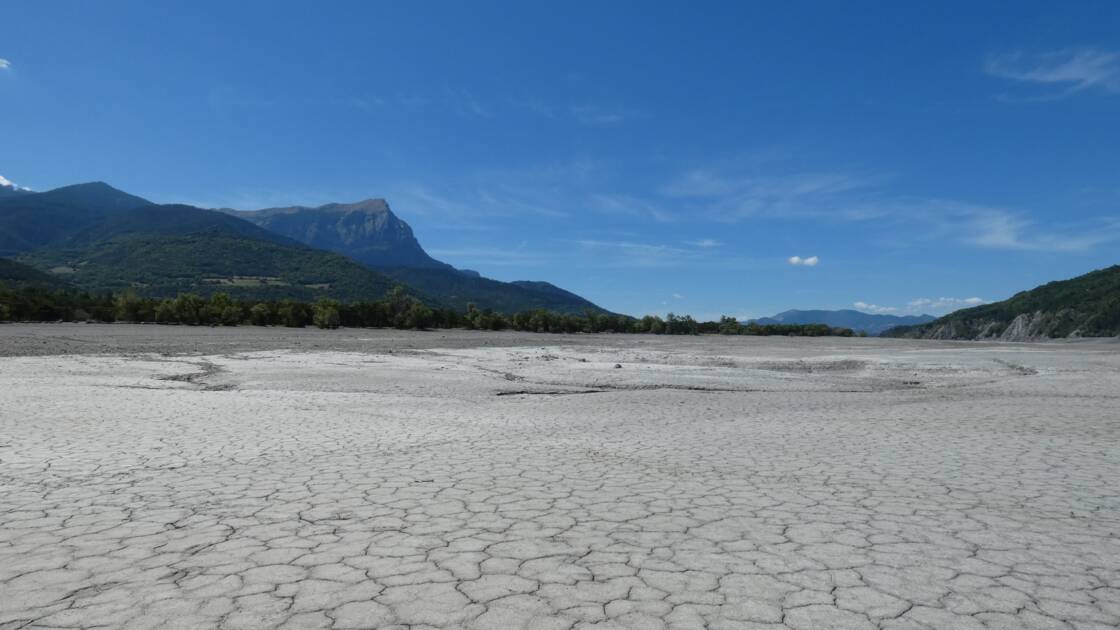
[[742, 483]]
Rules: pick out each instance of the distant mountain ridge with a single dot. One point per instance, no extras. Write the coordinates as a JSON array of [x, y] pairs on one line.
[[872, 324], [96, 237], [368, 231], [32, 220], [459, 290], [1085, 306]]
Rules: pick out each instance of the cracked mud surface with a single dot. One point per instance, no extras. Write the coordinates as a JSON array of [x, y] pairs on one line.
[[522, 481]]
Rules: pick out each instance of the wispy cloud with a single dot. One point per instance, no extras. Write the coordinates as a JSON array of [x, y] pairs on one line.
[[1071, 70], [615, 203], [1010, 232], [731, 197], [519, 257], [466, 104], [811, 261], [467, 204], [598, 115], [1001, 228], [5, 64], [535, 106], [706, 243], [637, 254], [749, 192]]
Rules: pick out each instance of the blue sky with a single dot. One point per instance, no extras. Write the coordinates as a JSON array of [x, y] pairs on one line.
[[651, 156]]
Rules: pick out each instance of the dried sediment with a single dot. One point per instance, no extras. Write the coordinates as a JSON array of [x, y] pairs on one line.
[[744, 483]]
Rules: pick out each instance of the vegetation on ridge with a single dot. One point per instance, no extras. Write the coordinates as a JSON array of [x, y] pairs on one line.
[[1085, 306], [397, 309], [98, 238]]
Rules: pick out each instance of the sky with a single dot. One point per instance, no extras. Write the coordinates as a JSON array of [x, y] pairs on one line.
[[709, 158]]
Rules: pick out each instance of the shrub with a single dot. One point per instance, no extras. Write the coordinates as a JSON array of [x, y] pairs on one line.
[[326, 314]]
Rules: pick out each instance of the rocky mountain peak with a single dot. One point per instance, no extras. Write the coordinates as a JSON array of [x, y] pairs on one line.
[[366, 231]]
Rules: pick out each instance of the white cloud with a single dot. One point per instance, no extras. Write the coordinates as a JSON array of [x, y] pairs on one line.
[[707, 243], [811, 261], [931, 306], [942, 303], [1073, 69], [5, 64], [7, 183], [874, 308], [678, 296]]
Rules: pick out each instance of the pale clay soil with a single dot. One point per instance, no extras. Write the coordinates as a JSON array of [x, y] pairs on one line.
[[166, 477]]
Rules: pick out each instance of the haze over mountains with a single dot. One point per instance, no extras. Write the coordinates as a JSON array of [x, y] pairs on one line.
[[858, 321], [96, 237]]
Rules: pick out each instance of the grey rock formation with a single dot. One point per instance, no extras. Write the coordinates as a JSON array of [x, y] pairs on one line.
[[366, 231]]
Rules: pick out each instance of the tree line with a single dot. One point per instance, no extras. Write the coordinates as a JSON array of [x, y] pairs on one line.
[[396, 310]]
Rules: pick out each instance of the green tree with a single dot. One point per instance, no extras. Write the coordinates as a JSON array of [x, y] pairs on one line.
[[417, 316], [231, 315], [729, 326], [470, 320], [165, 312], [128, 307], [260, 315], [292, 314], [215, 309], [189, 309], [326, 314]]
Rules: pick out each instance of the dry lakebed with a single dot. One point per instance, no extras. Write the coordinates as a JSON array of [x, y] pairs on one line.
[[173, 477]]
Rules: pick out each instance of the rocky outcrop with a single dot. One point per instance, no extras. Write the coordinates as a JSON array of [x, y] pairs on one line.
[[1032, 326], [366, 231], [1085, 306], [371, 234], [1025, 327]]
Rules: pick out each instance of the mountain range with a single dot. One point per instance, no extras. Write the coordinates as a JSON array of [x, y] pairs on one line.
[[858, 321], [1085, 306], [95, 237], [368, 231]]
